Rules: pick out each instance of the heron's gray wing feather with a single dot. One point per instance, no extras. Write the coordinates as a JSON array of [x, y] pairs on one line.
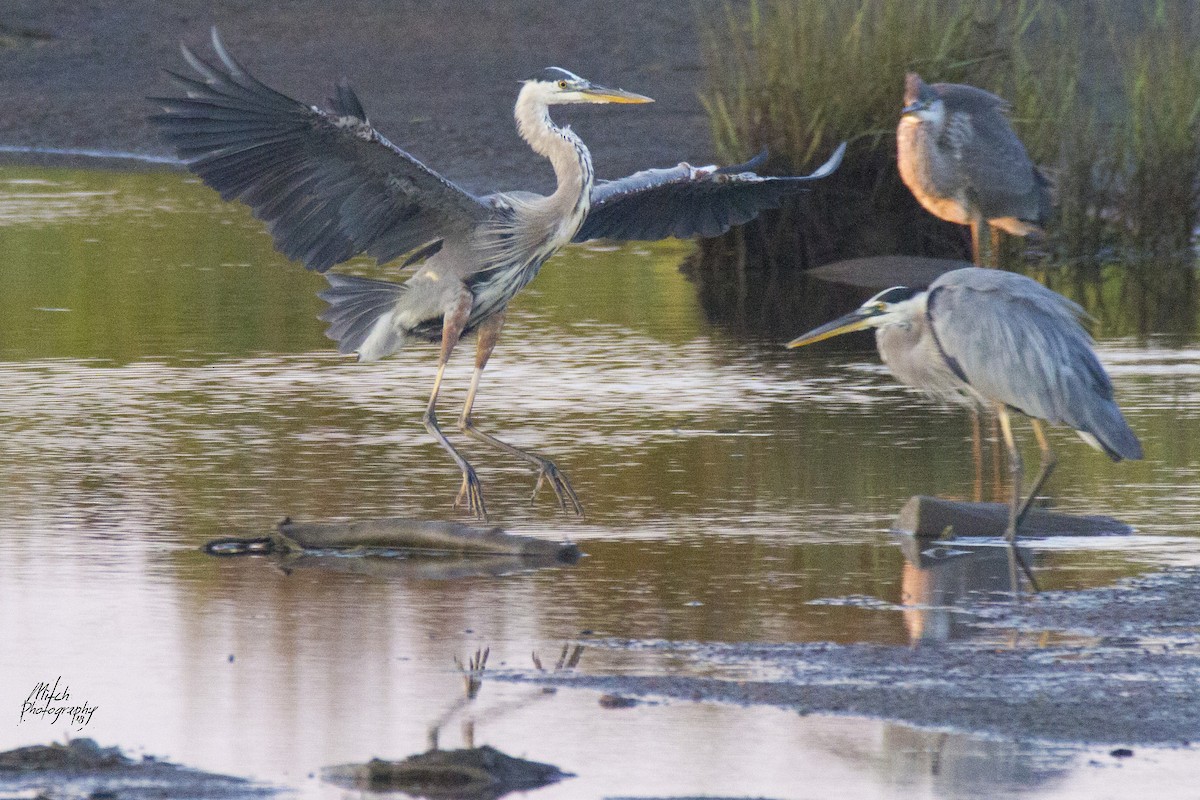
[[982, 139], [685, 201], [1019, 343], [328, 185]]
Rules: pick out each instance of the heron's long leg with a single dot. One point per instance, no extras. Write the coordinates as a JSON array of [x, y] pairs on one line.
[[1048, 462], [1015, 507], [977, 454], [489, 334], [452, 327], [981, 241]]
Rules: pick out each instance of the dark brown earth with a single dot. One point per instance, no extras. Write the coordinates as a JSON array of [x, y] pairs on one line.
[[438, 77], [1115, 665], [82, 768]]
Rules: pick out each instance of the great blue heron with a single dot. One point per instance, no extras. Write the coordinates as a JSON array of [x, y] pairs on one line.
[[987, 337], [329, 186], [959, 156]]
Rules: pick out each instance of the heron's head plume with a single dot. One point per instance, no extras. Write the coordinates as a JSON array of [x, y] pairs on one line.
[[920, 99], [555, 86], [891, 306]]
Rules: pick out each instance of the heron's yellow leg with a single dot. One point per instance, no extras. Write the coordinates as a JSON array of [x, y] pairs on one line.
[[1015, 508], [453, 323], [489, 334], [1047, 466]]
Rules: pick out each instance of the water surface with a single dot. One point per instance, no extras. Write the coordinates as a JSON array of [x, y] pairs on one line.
[[164, 380]]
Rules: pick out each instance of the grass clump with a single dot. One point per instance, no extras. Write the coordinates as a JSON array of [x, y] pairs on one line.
[[1105, 94], [800, 76]]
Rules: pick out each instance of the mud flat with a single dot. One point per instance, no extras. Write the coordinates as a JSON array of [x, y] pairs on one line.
[[1117, 665]]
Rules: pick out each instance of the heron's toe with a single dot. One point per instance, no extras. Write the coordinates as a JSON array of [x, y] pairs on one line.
[[470, 494], [560, 484]]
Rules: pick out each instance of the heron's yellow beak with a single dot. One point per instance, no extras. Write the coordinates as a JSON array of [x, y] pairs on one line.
[[857, 320], [602, 94]]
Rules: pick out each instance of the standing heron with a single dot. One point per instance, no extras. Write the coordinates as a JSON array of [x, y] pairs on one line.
[[330, 187], [959, 156], [985, 337]]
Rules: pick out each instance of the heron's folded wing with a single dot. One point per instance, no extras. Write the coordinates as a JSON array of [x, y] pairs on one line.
[[686, 201], [1020, 343], [327, 184], [982, 138]]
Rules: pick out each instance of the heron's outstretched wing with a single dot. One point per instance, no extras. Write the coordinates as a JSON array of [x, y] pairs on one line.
[[1020, 343], [327, 184], [686, 201]]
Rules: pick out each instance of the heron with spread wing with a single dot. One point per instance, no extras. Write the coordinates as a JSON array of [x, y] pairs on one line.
[[330, 187]]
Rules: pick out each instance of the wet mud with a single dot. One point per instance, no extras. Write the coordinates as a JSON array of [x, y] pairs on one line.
[[1117, 665], [82, 768]]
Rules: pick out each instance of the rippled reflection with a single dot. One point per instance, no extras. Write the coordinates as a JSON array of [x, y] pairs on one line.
[[164, 380]]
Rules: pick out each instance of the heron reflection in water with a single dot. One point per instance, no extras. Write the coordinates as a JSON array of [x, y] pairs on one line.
[[989, 338], [959, 156], [330, 187]]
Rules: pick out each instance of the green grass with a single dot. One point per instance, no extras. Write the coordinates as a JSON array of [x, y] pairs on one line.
[[1109, 108]]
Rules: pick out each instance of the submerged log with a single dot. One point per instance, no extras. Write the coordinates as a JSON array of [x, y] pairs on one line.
[[876, 273], [935, 518], [422, 566], [423, 536], [398, 536], [480, 773]]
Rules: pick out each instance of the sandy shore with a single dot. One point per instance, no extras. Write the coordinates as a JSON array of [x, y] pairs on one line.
[[438, 77]]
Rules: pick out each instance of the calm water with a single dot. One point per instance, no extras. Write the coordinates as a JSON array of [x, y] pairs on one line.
[[163, 381]]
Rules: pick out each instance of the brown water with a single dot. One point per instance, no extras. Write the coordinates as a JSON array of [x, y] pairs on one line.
[[163, 381]]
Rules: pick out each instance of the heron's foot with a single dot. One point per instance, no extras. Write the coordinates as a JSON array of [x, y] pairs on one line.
[[470, 494], [1019, 558], [558, 482], [568, 659], [473, 670]]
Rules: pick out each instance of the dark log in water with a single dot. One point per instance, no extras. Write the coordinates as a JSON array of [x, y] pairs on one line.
[[409, 536], [935, 518], [876, 273], [428, 536], [396, 564], [480, 773]]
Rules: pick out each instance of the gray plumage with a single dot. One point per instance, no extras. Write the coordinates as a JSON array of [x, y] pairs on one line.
[[996, 339], [1016, 342], [330, 187], [686, 201], [958, 154]]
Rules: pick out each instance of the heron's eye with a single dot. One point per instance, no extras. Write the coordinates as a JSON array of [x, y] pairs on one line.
[[562, 84]]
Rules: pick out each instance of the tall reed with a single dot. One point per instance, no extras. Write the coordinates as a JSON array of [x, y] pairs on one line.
[[1106, 96]]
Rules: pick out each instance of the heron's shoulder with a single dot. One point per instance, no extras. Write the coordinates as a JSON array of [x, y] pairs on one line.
[[1002, 288], [971, 99], [506, 204]]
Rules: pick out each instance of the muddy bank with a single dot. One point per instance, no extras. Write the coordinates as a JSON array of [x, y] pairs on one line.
[[76, 75], [83, 769], [1119, 665]]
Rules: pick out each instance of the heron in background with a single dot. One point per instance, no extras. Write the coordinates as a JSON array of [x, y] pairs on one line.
[[330, 187], [985, 337], [959, 156]]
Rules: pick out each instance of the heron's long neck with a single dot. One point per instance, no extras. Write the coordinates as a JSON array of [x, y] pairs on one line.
[[567, 153]]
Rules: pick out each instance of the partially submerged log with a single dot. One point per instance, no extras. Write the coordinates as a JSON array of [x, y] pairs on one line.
[[935, 518], [417, 535], [430, 567], [385, 536], [480, 773], [880, 272]]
